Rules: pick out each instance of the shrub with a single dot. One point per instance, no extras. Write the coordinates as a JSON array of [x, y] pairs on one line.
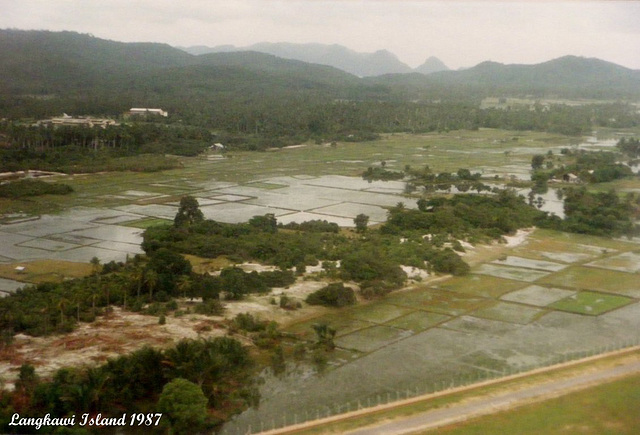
[[211, 307], [333, 295]]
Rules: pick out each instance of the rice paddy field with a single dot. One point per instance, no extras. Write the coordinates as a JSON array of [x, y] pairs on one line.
[[107, 212], [550, 297]]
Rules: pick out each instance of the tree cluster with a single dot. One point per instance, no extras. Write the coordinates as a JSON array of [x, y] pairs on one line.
[[28, 187], [219, 368], [601, 213], [332, 295]]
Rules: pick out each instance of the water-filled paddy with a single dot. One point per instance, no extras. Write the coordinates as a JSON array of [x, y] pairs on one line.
[[530, 264], [465, 329], [537, 295], [508, 312], [499, 317], [588, 278], [591, 303], [515, 273], [625, 262]]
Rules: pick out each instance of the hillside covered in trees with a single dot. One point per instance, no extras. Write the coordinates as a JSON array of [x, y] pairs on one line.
[[255, 100]]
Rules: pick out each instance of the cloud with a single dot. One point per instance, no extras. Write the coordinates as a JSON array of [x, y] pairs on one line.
[[460, 33]]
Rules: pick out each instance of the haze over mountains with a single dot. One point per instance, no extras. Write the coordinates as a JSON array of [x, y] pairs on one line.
[[360, 64], [109, 75]]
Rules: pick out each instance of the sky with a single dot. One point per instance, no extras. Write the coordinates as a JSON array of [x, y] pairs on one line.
[[460, 33]]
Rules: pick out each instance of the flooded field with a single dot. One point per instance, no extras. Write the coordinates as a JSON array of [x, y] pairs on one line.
[[551, 295], [465, 327]]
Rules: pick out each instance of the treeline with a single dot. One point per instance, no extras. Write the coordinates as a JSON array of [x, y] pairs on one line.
[[302, 118], [147, 285], [272, 122], [463, 180], [133, 137], [600, 213], [464, 216], [73, 160], [218, 370], [135, 147], [425, 238], [581, 166], [630, 147], [28, 187]]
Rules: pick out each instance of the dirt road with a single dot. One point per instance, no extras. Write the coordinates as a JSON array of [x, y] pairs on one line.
[[490, 404], [571, 376]]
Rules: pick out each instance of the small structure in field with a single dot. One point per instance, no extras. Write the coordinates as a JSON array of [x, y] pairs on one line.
[[137, 111]]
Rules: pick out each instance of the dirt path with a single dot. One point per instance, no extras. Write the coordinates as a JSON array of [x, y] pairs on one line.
[[488, 405], [510, 397]]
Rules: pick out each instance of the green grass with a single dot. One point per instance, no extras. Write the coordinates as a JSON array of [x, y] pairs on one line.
[[268, 186], [591, 303], [39, 271], [611, 408], [341, 323], [625, 262], [377, 312], [147, 222], [511, 313], [509, 420], [556, 241], [588, 278], [418, 321], [370, 339], [481, 285]]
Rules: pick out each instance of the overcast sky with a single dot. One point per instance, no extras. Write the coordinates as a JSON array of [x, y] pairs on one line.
[[461, 34]]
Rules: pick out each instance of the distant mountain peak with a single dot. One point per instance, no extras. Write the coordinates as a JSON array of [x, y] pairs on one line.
[[360, 64], [431, 65]]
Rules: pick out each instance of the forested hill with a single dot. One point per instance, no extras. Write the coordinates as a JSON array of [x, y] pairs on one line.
[[359, 64], [568, 76], [43, 62], [46, 73]]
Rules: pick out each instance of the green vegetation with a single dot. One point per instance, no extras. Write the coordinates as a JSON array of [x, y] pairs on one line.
[[72, 160], [590, 278], [595, 408], [184, 405], [297, 102], [608, 408], [372, 174], [630, 147], [22, 188], [181, 381], [600, 213], [588, 167], [402, 121], [591, 303], [333, 295], [466, 217]]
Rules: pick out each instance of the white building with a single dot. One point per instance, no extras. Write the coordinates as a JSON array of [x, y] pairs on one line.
[[66, 120], [145, 111]]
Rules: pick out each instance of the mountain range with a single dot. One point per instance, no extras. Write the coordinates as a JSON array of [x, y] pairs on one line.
[[359, 64], [62, 69]]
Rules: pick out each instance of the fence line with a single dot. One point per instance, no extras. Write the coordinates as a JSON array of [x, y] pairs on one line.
[[408, 392]]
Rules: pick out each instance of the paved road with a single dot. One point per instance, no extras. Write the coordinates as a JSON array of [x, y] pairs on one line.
[[488, 405]]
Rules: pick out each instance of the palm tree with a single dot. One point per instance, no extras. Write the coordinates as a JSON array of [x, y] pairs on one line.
[[137, 275], [184, 285], [62, 303], [151, 280], [95, 263]]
